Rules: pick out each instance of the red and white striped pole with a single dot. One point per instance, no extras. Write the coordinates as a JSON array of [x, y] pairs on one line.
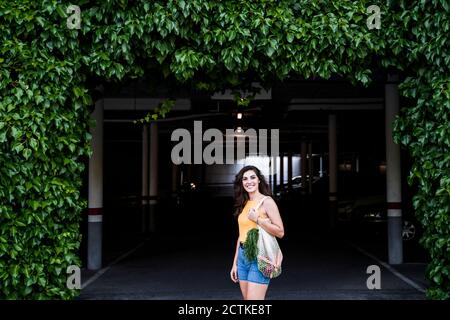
[[95, 199], [393, 175]]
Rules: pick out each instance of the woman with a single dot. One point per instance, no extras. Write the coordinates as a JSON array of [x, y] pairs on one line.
[[250, 188]]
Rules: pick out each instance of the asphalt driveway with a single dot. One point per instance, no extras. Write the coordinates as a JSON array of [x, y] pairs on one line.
[[314, 268]]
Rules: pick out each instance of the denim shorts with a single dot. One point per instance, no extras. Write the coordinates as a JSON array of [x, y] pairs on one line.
[[248, 270]]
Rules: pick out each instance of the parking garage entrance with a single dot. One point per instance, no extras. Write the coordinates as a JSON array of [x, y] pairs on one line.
[[337, 177]]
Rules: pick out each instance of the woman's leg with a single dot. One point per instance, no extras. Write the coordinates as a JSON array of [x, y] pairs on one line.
[[244, 286], [256, 291]]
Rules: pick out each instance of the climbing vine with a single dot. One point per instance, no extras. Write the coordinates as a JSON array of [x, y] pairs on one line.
[[424, 126], [49, 68]]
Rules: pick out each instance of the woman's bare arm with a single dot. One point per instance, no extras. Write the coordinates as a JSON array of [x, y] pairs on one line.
[[236, 253], [233, 272], [274, 223]]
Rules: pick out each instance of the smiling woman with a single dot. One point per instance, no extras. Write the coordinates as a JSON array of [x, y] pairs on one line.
[[253, 206], [47, 70]]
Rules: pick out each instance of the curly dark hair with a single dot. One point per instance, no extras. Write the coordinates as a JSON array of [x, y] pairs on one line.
[[240, 195]]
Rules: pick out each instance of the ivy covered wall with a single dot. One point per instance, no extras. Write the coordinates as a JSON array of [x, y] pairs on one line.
[[47, 67]]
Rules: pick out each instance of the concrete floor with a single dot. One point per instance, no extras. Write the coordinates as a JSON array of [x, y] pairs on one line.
[[314, 268]]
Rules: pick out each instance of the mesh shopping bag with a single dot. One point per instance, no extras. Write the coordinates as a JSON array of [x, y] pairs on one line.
[[269, 256]]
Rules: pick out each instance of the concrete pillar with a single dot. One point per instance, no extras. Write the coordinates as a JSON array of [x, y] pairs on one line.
[[145, 178], [153, 192], [393, 177], [321, 166], [281, 172], [95, 187], [274, 173], [303, 166], [310, 168], [332, 167], [175, 178], [269, 181], [289, 171], [183, 169]]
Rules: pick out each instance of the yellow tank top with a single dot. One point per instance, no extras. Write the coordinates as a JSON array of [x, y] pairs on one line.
[[245, 224]]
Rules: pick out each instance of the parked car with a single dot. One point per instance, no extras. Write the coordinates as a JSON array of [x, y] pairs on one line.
[[370, 212], [297, 186]]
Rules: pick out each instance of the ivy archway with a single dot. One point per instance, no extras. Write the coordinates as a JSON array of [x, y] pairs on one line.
[[47, 70]]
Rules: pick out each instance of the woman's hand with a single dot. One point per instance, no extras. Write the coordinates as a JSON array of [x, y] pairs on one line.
[[263, 220], [252, 214], [233, 274]]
